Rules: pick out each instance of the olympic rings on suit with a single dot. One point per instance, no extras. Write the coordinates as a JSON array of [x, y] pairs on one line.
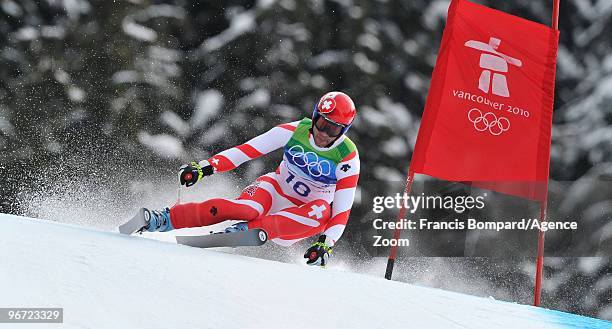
[[310, 160]]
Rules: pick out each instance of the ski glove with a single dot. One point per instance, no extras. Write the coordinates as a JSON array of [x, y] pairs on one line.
[[191, 173], [318, 253]]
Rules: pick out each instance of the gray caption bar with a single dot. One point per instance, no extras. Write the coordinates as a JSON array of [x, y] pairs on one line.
[[31, 315]]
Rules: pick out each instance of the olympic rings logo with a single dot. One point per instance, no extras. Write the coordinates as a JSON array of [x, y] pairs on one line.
[[488, 121], [309, 160]]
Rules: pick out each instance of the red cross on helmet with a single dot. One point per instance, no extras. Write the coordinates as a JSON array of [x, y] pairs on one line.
[[336, 107]]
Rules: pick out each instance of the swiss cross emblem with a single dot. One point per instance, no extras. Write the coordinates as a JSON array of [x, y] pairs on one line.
[[316, 211], [327, 105]]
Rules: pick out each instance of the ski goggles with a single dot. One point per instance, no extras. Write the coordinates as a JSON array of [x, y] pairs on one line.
[[332, 129]]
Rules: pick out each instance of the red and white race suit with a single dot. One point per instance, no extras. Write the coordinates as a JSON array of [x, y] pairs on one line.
[[311, 191]]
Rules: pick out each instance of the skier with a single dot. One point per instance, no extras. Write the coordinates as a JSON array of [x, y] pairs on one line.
[[310, 192]]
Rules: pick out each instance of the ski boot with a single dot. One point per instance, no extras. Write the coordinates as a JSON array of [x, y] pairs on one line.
[[148, 220], [238, 227], [158, 220]]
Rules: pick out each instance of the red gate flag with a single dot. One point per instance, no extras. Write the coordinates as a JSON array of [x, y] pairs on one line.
[[488, 114]]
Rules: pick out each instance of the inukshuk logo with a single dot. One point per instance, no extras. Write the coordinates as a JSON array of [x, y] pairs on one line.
[[492, 80], [494, 65]]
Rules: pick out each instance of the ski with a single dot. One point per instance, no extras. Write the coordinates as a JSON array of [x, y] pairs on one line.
[[253, 237], [139, 221]]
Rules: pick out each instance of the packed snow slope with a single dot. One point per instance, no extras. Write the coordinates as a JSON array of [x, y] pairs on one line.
[[105, 280]]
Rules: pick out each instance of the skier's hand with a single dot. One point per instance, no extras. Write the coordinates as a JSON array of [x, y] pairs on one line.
[[318, 253], [191, 173]]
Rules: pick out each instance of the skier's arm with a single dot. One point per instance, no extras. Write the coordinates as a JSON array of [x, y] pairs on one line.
[[265, 143], [347, 173]]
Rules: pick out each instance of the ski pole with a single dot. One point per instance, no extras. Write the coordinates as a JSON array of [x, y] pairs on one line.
[[188, 176]]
